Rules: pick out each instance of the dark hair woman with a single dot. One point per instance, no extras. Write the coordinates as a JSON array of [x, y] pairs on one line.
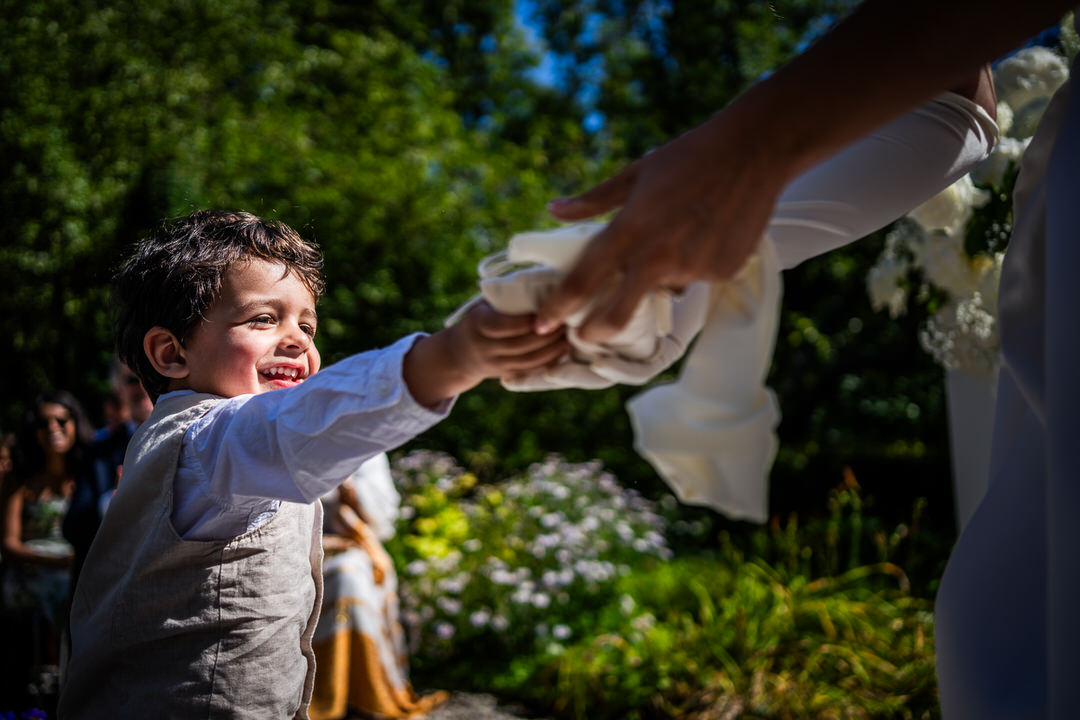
[[51, 449]]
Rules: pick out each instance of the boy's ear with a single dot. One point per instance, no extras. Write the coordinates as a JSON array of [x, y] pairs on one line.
[[165, 352]]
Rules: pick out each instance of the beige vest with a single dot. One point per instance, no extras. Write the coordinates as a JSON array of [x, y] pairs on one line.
[[168, 628]]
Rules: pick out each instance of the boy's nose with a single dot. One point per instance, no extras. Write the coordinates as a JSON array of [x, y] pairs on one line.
[[298, 339]]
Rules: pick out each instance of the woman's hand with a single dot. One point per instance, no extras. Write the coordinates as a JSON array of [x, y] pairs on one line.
[[693, 209]]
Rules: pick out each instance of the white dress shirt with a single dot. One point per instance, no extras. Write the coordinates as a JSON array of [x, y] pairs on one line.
[[250, 452]]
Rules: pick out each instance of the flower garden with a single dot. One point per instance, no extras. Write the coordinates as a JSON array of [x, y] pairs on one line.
[[561, 588]]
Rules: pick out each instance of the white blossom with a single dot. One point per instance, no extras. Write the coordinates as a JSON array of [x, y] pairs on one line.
[[479, 618], [1026, 81], [883, 285], [451, 585], [963, 336], [444, 630], [1004, 117], [471, 545], [551, 520], [561, 632], [448, 605], [946, 265], [951, 208], [991, 171]]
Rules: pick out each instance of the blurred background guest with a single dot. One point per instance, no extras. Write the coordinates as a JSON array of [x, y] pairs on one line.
[[359, 643], [7, 457], [52, 447], [126, 407]]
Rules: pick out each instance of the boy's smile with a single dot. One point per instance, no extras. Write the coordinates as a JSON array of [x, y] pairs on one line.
[[258, 335]]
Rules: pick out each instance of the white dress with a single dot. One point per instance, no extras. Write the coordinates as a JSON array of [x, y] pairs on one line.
[[1007, 622]]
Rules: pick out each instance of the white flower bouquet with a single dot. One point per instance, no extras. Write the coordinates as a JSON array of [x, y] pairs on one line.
[[947, 253]]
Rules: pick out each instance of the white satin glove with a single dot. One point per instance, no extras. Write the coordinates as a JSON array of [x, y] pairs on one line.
[[516, 282]]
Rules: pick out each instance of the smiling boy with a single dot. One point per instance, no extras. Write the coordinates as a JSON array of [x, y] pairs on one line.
[[201, 590]]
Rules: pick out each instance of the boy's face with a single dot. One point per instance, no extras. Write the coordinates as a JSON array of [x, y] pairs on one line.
[[257, 336]]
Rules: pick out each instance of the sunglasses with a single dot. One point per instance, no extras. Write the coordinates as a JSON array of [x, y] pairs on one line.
[[43, 423]]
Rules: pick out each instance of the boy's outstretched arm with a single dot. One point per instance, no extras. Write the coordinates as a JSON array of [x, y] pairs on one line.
[[484, 344]]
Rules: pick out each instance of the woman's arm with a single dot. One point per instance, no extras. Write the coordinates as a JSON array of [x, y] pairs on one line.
[[13, 546], [881, 177], [696, 207]]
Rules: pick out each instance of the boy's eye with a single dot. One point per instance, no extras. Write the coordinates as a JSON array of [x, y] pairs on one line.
[[309, 329], [263, 319]]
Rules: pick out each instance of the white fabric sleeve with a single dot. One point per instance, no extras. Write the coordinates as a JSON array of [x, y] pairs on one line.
[[252, 451], [881, 177]]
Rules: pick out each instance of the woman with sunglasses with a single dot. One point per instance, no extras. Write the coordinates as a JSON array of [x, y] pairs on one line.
[[52, 445]]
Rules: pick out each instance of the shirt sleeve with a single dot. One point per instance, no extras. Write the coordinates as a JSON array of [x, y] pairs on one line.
[[881, 177], [250, 452]]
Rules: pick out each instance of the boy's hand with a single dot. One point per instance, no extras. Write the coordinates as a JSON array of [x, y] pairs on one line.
[[484, 344]]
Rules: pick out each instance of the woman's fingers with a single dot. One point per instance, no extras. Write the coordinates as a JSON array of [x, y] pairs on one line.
[[606, 196]]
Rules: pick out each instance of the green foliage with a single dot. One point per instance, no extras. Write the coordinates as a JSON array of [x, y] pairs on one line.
[[656, 69], [813, 620]]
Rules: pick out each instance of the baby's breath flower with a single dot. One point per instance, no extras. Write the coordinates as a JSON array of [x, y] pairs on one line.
[[448, 605], [471, 545]]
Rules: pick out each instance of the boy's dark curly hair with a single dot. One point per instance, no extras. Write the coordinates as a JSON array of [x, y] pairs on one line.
[[173, 276]]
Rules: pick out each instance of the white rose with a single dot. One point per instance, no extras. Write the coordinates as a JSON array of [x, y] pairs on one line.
[[883, 285], [951, 208], [991, 171], [946, 265], [1032, 75], [1004, 117]]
